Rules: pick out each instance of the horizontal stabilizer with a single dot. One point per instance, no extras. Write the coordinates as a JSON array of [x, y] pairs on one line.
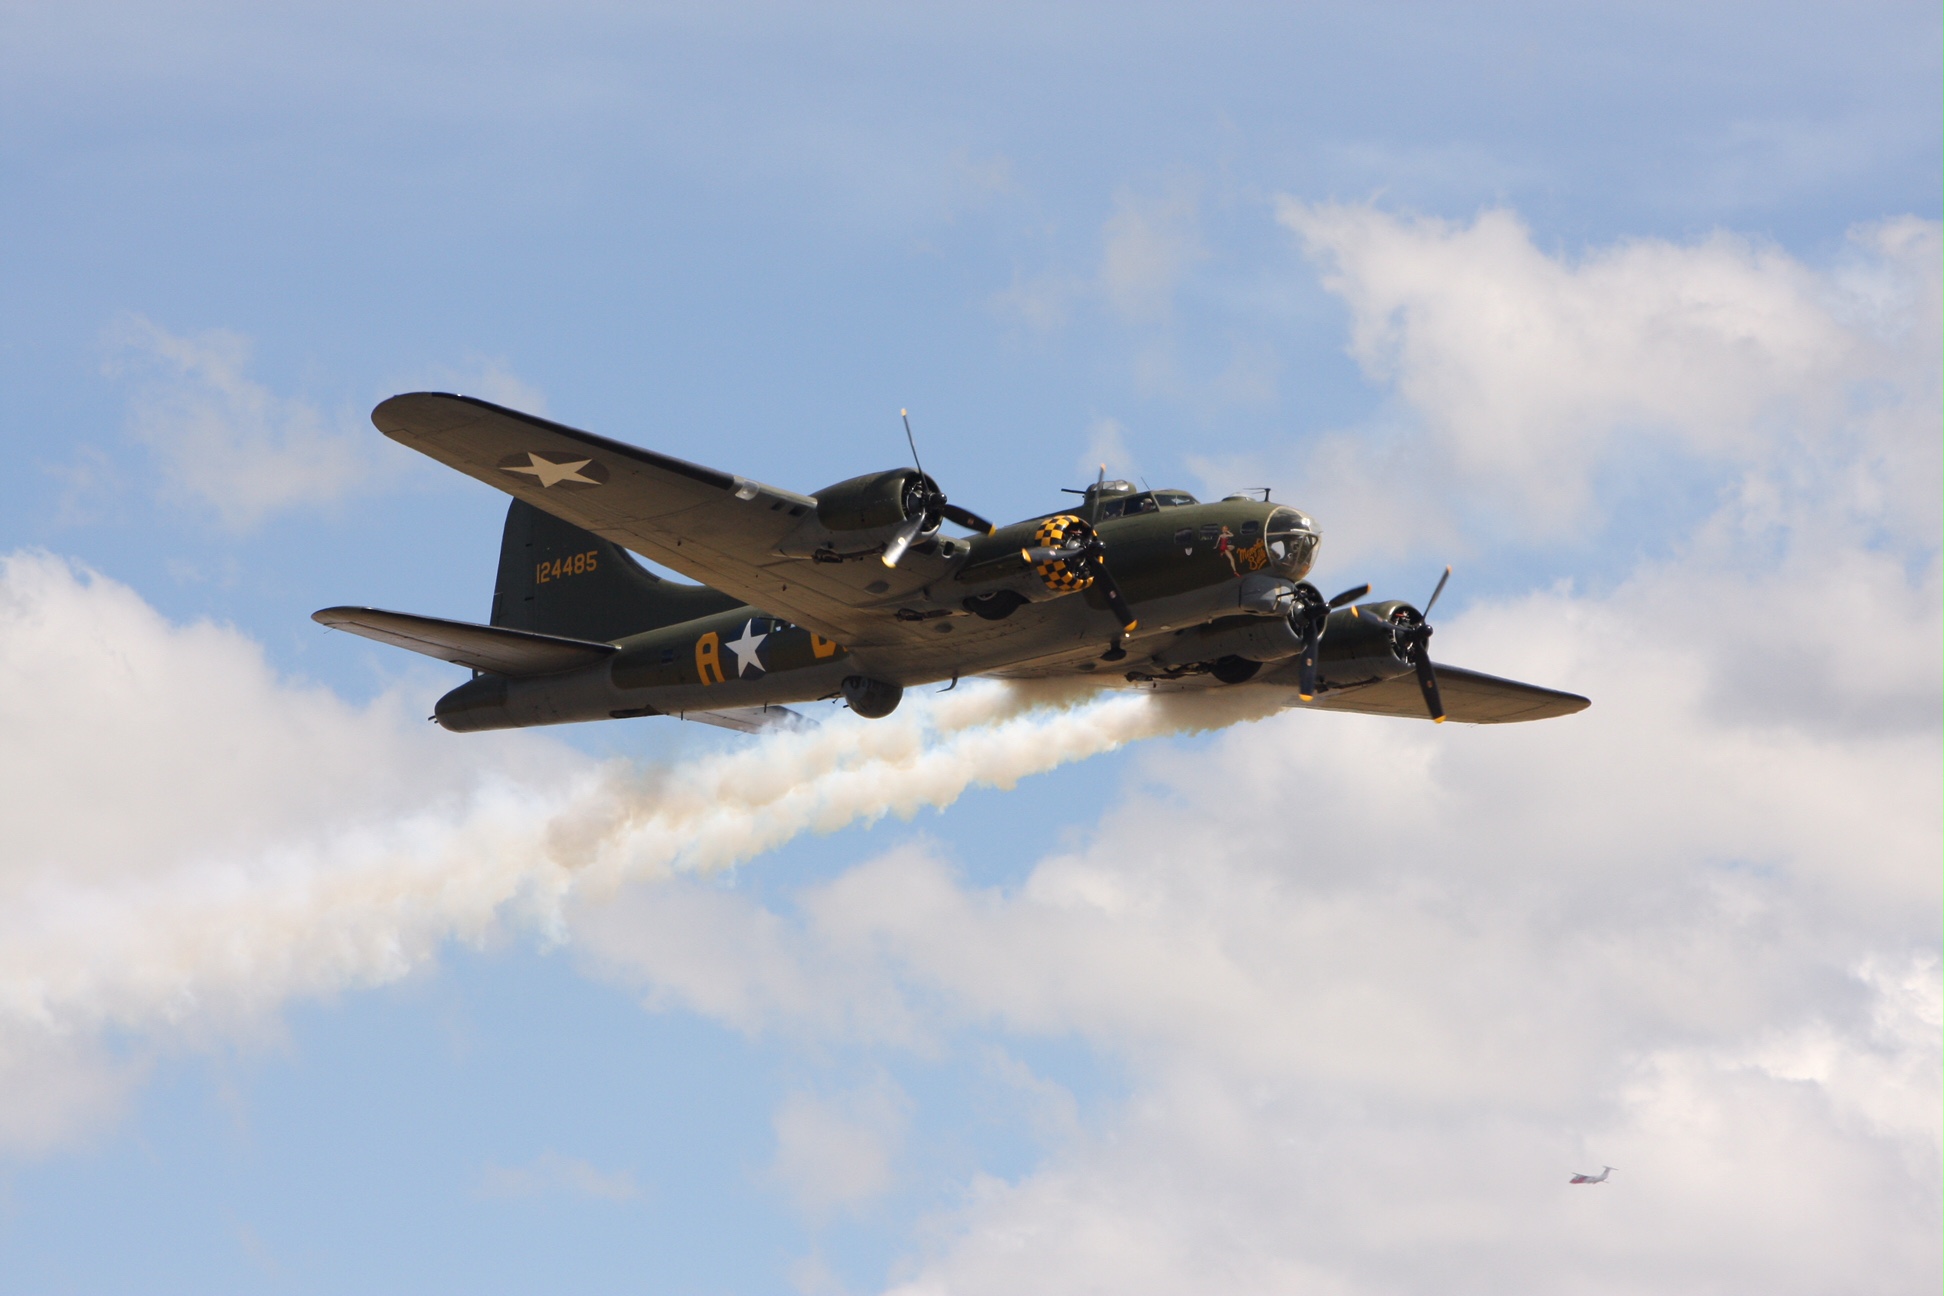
[[756, 719], [493, 649]]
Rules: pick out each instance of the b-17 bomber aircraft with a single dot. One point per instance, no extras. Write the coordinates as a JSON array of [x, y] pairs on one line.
[[857, 593]]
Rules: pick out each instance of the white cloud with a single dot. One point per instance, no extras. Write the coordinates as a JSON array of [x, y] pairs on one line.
[[1148, 245], [550, 1174], [1521, 377], [227, 443], [192, 839], [838, 1153]]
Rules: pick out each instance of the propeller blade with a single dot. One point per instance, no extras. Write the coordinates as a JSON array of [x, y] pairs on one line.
[[1434, 593], [1306, 673], [1428, 681], [965, 517], [911, 440], [902, 539], [1349, 596], [1124, 613]]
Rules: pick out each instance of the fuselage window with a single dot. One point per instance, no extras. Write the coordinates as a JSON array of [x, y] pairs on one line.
[[1250, 531], [1174, 499]]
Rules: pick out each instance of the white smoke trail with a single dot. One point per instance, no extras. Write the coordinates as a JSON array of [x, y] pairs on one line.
[[737, 806], [201, 937]]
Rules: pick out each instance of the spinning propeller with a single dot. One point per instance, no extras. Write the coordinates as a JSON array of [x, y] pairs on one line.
[[1414, 640], [927, 506], [1410, 631], [1080, 548], [1308, 620]]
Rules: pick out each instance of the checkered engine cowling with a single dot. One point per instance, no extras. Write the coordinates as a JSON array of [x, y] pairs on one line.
[[1065, 575]]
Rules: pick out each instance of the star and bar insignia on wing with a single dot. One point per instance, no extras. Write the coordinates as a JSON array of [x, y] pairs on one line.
[[548, 470]]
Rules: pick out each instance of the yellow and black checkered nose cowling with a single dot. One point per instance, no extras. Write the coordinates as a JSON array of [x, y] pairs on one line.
[[1063, 576]]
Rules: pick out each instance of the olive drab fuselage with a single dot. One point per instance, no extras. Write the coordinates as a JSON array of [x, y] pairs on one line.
[[1182, 564]]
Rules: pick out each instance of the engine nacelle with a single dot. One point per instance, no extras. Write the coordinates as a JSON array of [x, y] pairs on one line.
[[872, 501], [1360, 644], [1251, 639], [872, 699]]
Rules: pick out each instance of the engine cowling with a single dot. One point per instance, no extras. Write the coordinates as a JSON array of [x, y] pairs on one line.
[[1360, 643], [874, 500]]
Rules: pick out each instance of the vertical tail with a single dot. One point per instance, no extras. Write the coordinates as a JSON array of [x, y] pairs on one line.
[[557, 579]]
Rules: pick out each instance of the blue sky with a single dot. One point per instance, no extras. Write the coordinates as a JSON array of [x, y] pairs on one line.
[[1629, 312]]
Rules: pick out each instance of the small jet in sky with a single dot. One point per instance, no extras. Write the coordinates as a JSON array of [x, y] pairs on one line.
[[855, 592], [1587, 1178]]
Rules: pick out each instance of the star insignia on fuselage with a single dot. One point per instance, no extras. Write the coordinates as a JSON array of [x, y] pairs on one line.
[[555, 472], [748, 649]]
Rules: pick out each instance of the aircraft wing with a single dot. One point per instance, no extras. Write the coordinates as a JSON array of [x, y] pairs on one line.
[[1470, 697], [486, 648], [712, 526]]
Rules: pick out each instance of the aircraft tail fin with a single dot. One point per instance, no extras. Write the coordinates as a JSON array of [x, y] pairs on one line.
[[556, 579]]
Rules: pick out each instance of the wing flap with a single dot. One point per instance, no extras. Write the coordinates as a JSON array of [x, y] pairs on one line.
[[493, 649], [750, 720], [1470, 697]]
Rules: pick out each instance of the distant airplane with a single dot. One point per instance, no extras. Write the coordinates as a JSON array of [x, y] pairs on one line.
[[1598, 1178]]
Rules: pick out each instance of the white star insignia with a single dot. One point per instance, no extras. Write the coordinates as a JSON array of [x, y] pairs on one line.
[[748, 650], [552, 474]]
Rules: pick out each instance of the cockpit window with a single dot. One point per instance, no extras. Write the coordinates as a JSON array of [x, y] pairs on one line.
[[1292, 542], [1129, 506], [1131, 502]]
